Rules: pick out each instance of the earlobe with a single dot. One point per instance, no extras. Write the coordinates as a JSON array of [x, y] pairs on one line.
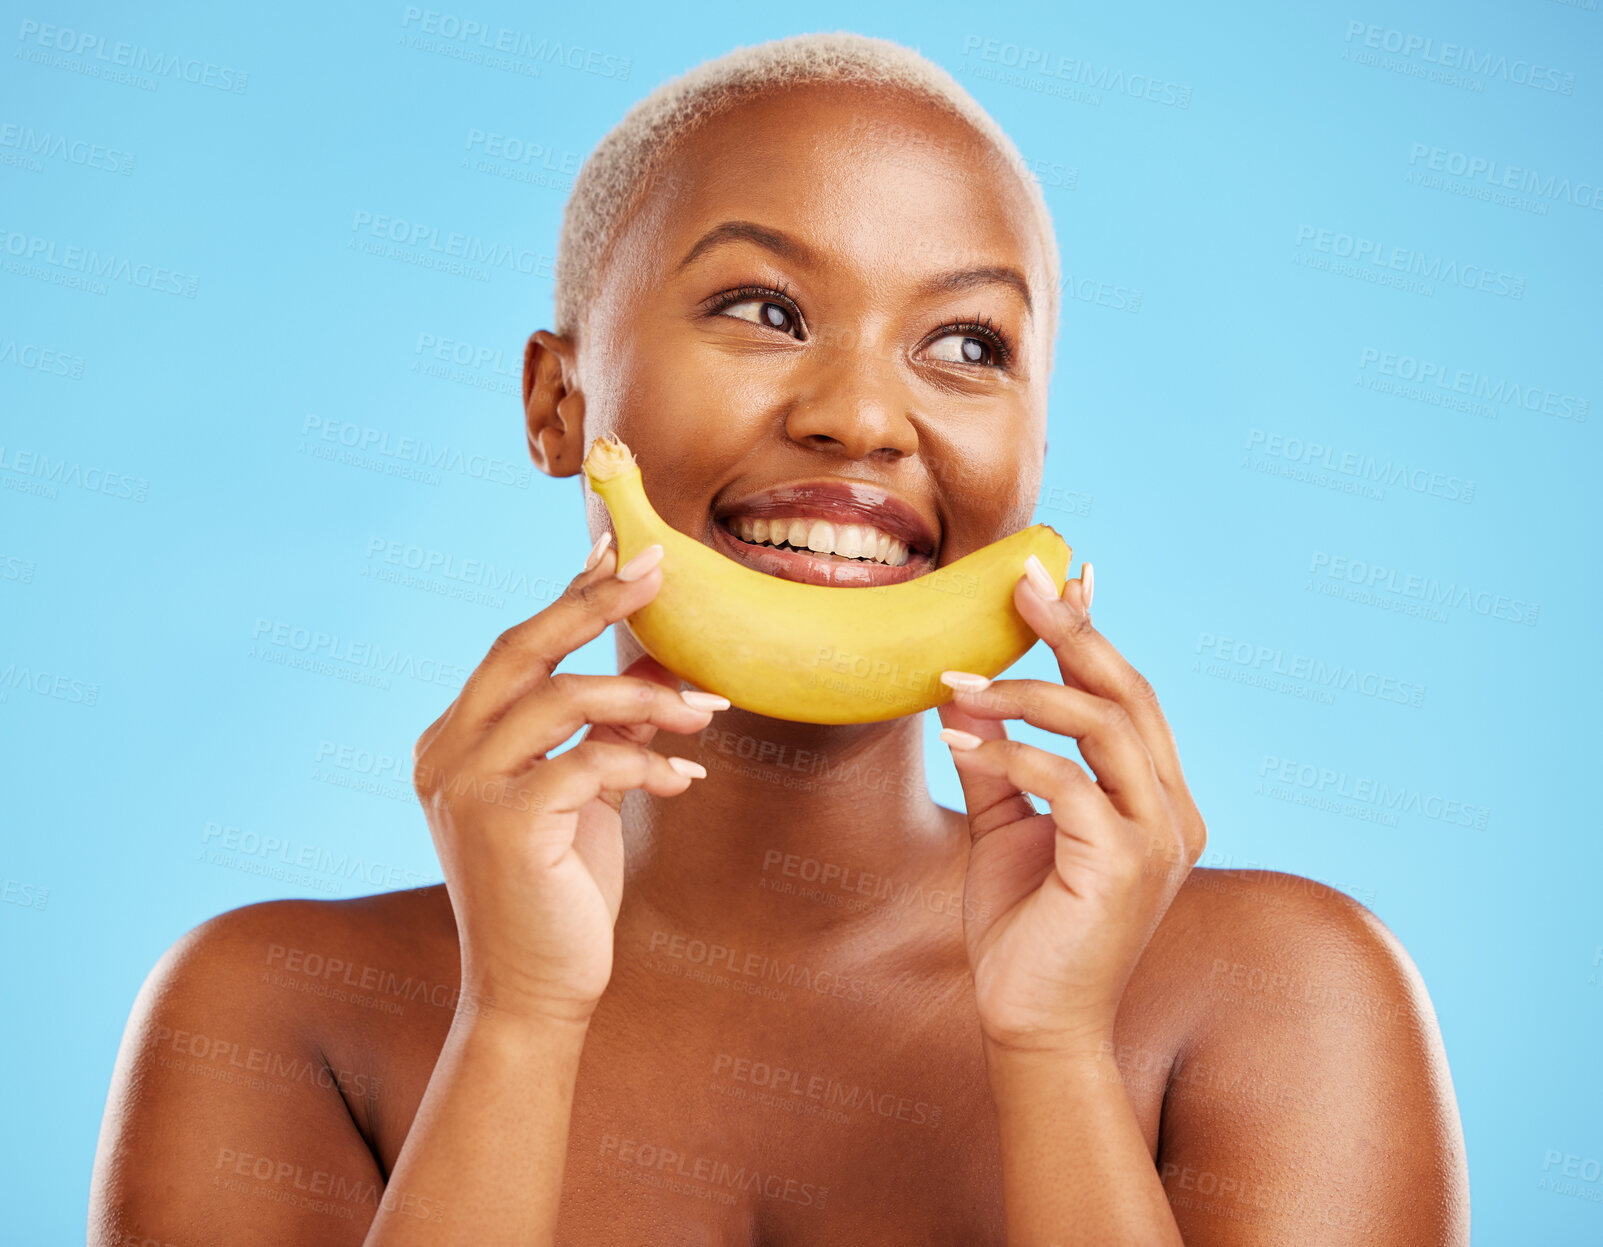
[[553, 407]]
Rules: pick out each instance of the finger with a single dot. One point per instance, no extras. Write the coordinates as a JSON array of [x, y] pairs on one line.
[[554, 709], [529, 652], [1107, 737], [1088, 661], [644, 667], [992, 801], [1080, 809], [569, 780], [478, 701]]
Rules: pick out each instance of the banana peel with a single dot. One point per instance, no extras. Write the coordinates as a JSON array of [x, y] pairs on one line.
[[816, 653]]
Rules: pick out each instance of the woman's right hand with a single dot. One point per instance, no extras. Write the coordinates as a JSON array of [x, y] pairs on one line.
[[532, 846]]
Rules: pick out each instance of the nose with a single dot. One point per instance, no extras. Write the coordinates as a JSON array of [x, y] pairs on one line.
[[851, 400]]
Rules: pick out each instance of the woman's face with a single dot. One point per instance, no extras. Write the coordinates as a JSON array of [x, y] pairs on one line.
[[826, 329]]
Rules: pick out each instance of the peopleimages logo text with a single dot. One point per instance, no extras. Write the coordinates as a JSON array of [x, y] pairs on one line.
[[1399, 798], [134, 57], [1509, 177], [1042, 61], [1457, 56], [516, 43], [1413, 262], [1275, 660], [364, 439], [86, 260], [74, 151], [1425, 372], [456, 245], [1428, 590], [1365, 467]]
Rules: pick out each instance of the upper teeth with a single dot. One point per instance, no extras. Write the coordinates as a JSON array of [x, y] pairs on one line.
[[852, 541]]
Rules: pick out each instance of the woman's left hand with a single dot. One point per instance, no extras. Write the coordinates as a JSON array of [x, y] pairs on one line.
[[1061, 904]]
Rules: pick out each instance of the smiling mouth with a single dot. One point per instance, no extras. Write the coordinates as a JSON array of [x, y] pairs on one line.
[[861, 543], [847, 534]]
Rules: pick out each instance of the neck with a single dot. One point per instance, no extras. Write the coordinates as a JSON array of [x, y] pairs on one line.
[[798, 832]]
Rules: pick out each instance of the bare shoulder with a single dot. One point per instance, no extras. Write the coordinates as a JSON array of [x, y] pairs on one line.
[[1253, 923], [370, 951], [1310, 1096], [322, 969], [245, 1083], [1269, 957], [413, 918]]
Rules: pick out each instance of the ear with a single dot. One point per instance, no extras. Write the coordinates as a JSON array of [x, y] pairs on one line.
[[553, 407]]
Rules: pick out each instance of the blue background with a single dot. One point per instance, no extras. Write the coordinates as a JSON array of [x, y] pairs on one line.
[[1206, 326]]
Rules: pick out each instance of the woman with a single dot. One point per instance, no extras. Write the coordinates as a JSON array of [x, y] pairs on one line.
[[682, 986]]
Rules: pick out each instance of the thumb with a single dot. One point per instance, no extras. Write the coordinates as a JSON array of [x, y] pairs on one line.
[[992, 800]]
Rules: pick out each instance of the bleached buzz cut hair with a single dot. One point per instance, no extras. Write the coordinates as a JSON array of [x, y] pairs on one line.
[[622, 170]]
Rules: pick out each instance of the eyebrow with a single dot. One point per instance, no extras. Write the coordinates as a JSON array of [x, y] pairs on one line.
[[782, 244], [749, 231], [988, 275]]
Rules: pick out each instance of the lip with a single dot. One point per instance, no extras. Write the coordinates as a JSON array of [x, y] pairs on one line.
[[841, 502], [838, 502]]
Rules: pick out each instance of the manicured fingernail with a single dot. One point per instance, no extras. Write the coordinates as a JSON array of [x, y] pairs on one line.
[[686, 767], [597, 550], [965, 680], [641, 563], [698, 700], [1036, 574], [960, 739], [1088, 579]]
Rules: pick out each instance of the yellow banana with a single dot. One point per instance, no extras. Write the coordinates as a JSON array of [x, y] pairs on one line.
[[814, 653]]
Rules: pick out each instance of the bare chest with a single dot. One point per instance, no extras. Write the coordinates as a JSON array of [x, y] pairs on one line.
[[706, 1119], [748, 1136]]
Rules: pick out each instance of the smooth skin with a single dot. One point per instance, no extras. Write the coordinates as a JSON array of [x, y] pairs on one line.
[[710, 978]]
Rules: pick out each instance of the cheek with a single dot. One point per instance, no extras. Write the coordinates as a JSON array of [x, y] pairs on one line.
[[683, 426], [682, 389], [992, 473]]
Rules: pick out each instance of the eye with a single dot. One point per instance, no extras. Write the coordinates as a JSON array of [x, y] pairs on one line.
[[773, 315], [964, 349], [761, 305], [971, 342]]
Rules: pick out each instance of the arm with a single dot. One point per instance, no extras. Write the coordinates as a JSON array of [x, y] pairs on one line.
[[1071, 899], [483, 1161], [225, 1125], [1075, 1167], [532, 851], [1312, 1104]]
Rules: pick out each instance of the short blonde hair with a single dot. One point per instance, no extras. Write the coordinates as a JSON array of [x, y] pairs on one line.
[[620, 172]]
